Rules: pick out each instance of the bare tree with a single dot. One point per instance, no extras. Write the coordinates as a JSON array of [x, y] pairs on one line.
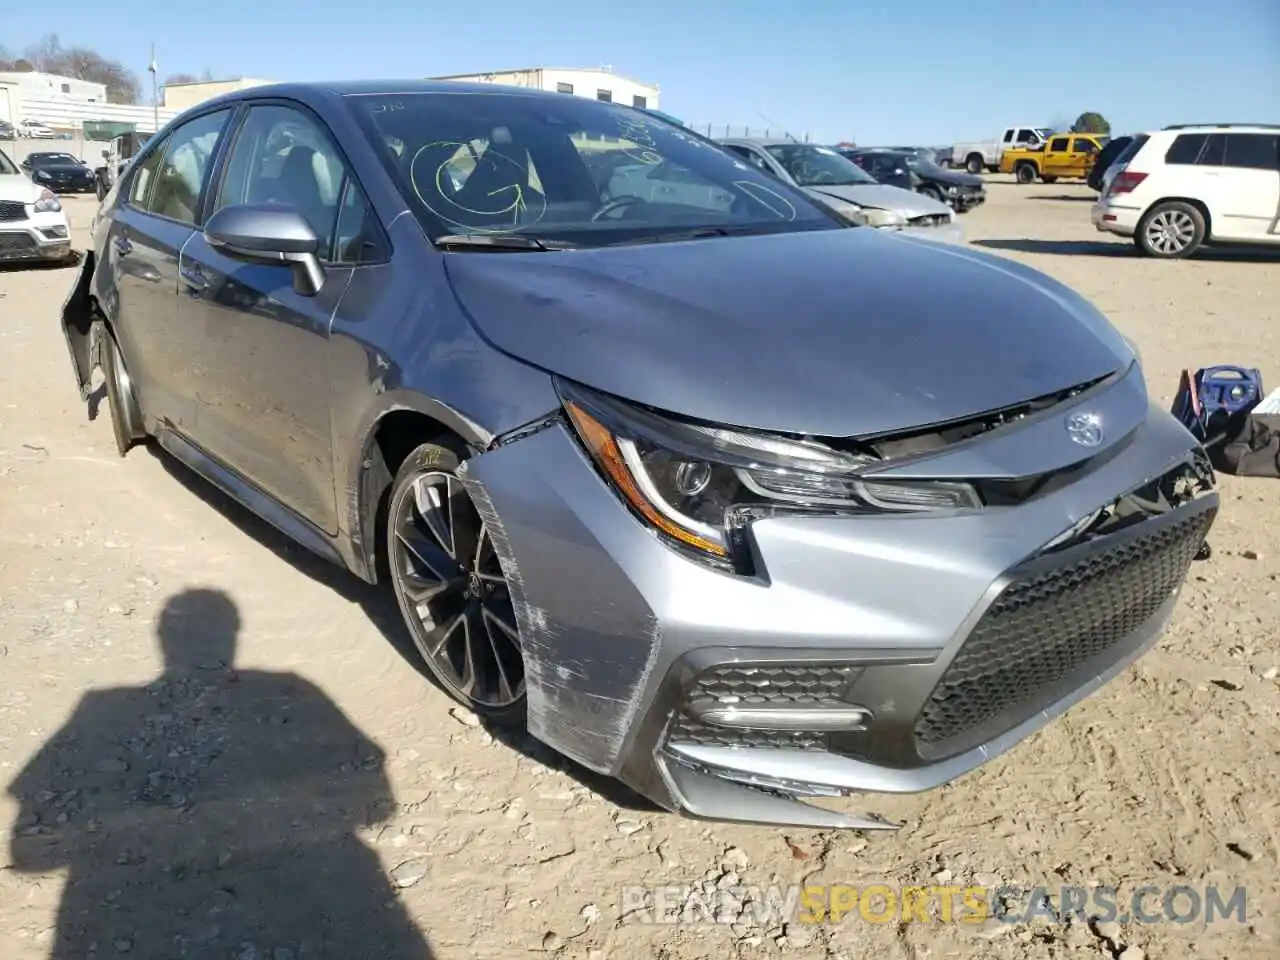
[[83, 63], [180, 78]]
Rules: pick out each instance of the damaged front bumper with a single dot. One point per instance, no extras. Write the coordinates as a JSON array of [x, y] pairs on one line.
[[866, 654]]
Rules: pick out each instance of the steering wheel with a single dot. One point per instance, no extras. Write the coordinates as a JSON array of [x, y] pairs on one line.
[[617, 203]]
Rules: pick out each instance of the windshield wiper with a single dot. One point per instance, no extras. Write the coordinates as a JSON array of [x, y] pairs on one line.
[[698, 233], [498, 242]]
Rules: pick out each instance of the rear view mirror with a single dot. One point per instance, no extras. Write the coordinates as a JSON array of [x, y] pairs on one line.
[[269, 233]]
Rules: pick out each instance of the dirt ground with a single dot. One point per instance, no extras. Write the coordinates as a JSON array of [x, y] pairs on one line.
[[354, 814]]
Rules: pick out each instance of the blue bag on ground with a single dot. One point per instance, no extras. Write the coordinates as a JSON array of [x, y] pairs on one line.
[[1212, 402]]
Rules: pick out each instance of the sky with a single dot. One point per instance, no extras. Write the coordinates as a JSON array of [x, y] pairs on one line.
[[912, 71]]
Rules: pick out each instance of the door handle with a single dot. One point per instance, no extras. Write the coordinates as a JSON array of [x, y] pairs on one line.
[[122, 244]]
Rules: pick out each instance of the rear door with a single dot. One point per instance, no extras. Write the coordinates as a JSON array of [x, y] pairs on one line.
[[1250, 183], [154, 219]]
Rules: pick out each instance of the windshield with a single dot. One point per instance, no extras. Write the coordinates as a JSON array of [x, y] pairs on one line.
[[925, 165], [40, 158], [813, 166], [568, 169]]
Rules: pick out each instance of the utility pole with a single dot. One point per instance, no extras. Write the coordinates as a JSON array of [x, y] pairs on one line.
[[152, 68]]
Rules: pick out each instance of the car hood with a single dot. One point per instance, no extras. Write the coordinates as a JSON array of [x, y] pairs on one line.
[[953, 178], [75, 169], [884, 197], [16, 186], [844, 332]]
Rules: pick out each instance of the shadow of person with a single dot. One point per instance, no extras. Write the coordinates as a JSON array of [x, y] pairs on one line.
[[212, 813]]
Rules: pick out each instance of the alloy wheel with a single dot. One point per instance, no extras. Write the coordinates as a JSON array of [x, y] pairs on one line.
[[1170, 231], [454, 593]]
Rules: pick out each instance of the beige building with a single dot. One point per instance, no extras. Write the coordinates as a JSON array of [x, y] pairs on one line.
[[598, 84], [184, 96]]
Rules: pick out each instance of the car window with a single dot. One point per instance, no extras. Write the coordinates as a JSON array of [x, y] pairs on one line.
[[1254, 151], [180, 178], [1131, 149], [143, 176], [1185, 148], [357, 237], [1058, 143], [814, 166], [753, 158], [1008, 135], [1027, 136], [571, 169], [282, 155], [1081, 145]]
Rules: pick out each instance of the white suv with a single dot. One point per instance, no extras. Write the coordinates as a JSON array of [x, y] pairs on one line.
[[1184, 186]]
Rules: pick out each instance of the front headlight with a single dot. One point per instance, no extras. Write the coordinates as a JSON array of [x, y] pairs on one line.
[[884, 219], [48, 203], [41, 175], [700, 486]]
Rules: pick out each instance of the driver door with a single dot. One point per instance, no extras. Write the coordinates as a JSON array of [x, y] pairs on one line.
[[262, 400]]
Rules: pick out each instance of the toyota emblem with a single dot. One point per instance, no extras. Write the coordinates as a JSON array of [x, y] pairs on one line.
[[1085, 429]]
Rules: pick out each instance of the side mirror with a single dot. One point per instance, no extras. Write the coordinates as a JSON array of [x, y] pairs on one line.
[[269, 233]]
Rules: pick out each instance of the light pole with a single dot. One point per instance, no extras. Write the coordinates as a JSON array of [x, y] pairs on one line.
[[155, 97]]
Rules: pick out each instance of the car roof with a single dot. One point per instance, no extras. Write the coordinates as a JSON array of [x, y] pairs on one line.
[[765, 141], [354, 88], [1214, 127]]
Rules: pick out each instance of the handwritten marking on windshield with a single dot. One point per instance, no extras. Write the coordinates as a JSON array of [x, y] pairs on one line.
[[769, 198], [511, 202]]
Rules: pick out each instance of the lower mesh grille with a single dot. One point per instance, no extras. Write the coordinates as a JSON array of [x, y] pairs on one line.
[[1047, 625], [760, 685]]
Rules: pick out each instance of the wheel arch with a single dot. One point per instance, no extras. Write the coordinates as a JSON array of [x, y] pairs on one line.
[[401, 421], [1189, 201]]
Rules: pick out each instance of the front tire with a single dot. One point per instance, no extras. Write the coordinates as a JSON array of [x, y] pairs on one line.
[[126, 414], [1026, 173], [1171, 230], [450, 586], [933, 193]]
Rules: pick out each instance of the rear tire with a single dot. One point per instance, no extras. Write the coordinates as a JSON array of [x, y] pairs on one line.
[[450, 587], [1171, 230], [1025, 173], [973, 163], [126, 415]]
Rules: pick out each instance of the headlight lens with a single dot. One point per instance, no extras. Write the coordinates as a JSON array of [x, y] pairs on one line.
[[885, 219], [41, 175], [700, 486], [851, 212], [48, 203]]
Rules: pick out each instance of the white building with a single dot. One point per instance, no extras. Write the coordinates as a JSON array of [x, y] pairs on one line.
[[50, 86], [601, 84]]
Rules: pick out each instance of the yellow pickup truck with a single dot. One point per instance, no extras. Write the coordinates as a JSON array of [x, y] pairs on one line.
[[1062, 156]]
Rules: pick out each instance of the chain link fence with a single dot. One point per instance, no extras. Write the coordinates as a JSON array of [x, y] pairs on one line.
[[717, 130]]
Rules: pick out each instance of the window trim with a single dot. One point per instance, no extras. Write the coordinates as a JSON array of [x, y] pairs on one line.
[[244, 106], [164, 143], [1065, 148], [160, 146]]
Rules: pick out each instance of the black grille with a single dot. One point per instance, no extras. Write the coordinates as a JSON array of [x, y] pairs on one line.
[[806, 684], [11, 210], [16, 242], [1046, 626]]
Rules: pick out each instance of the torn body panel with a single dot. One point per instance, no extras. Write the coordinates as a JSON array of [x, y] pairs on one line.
[[589, 637], [78, 314]]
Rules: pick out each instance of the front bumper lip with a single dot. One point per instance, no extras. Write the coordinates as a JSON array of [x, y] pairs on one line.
[[28, 239]]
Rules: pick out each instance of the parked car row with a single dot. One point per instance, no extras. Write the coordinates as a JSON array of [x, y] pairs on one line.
[[33, 225], [836, 182], [914, 170]]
